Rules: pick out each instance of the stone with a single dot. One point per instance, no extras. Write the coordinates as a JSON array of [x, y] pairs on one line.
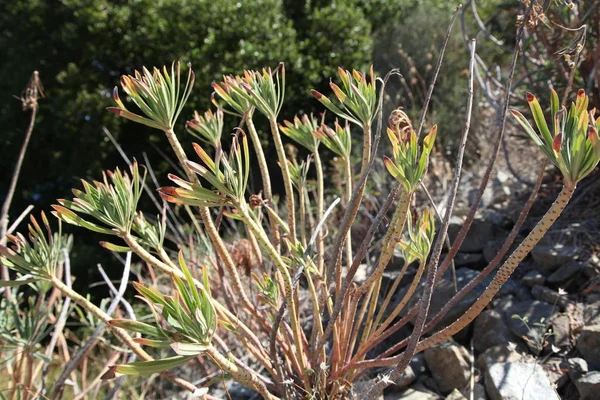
[[418, 365], [490, 330], [455, 395], [556, 370], [548, 257], [413, 394], [548, 295], [480, 233], [239, 392], [518, 381], [577, 367], [473, 260], [588, 386], [564, 273], [561, 331], [449, 365], [533, 278], [406, 379], [591, 313], [491, 250], [478, 392], [588, 345], [498, 354], [535, 313]]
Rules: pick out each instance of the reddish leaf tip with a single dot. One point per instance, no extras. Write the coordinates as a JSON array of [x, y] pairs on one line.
[[316, 94], [530, 97]]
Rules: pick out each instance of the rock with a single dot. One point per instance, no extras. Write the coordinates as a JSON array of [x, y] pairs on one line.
[[543, 293], [518, 381], [490, 330], [498, 354], [418, 365], [413, 394], [588, 345], [480, 233], [449, 365], [478, 392], [591, 314], [239, 392], [491, 250], [561, 329], [455, 395], [473, 260], [535, 313], [406, 379], [588, 385], [533, 278], [548, 257], [577, 367], [564, 273], [556, 370]]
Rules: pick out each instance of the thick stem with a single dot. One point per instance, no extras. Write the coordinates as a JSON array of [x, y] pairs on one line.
[[348, 193], [264, 173], [389, 242], [505, 271], [320, 211], [287, 283], [287, 181], [210, 227], [120, 333], [240, 374]]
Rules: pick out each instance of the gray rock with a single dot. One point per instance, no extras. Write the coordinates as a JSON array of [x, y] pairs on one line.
[[518, 381], [239, 392], [418, 365], [535, 312], [588, 345], [490, 330], [564, 273], [474, 260], [548, 295], [577, 367], [413, 394], [480, 233], [498, 354], [561, 331], [588, 385], [548, 257], [591, 314], [556, 370], [406, 379], [533, 278], [478, 392], [455, 395], [491, 250], [449, 365]]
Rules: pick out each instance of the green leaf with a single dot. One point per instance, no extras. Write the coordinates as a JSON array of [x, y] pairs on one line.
[[17, 282], [145, 367], [188, 349]]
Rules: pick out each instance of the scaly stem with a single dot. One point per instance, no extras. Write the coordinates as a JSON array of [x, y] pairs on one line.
[[302, 210], [505, 271], [320, 211], [264, 173], [210, 227], [120, 333], [239, 374], [389, 242], [292, 305], [338, 278], [287, 181]]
